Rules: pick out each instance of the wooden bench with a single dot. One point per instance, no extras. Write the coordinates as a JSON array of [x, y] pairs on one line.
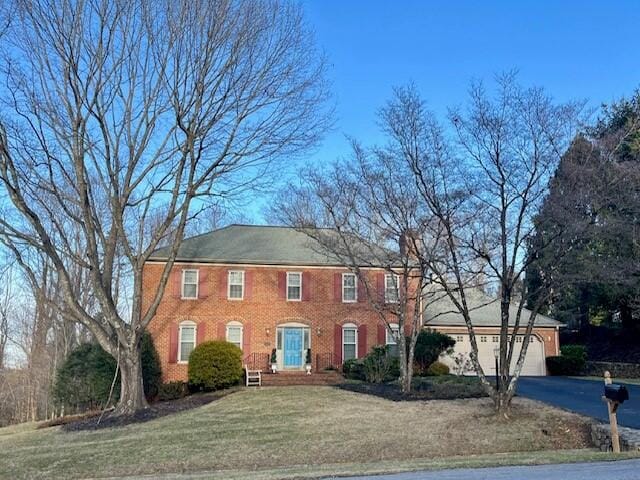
[[254, 377]]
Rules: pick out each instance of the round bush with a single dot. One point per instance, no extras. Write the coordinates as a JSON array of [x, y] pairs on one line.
[[437, 368], [215, 365]]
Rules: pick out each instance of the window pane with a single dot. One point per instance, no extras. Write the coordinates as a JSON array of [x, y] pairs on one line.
[[349, 352], [188, 334], [234, 334], [306, 339], [293, 293], [190, 291], [235, 278], [392, 336], [190, 276], [185, 351], [349, 280], [279, 339], [235, 291], [349, 335], [293, 279], [349, 294]]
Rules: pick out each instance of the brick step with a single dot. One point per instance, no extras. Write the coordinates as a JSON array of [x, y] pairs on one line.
[[301, 378]]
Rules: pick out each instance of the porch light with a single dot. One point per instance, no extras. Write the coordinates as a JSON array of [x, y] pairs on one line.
[[319, 331], [267, 331]]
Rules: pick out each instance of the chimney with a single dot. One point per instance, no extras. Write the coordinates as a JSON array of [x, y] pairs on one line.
[[408, 243]]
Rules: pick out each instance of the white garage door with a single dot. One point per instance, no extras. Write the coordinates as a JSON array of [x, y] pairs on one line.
[[534, 362]]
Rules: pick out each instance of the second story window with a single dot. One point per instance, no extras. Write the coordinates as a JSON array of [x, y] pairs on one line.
[[190, 284], [236, 285], [349, 289], [294, 286], [391, 288]]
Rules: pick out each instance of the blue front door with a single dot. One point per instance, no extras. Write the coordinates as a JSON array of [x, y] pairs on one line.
[[292, 347]]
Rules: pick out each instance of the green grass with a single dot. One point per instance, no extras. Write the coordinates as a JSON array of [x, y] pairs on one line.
[[300, 432]]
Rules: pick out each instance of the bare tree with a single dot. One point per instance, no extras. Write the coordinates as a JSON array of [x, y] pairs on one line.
[[467, 194], [119, 117], [483, 190]]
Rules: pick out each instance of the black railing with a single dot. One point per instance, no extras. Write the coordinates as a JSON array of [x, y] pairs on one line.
[[257, 361], [325, 361]]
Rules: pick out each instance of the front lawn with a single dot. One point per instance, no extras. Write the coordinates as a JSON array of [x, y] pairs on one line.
[[295, 429]]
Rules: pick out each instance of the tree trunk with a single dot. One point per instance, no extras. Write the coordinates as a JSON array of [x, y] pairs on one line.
[[132, 396]]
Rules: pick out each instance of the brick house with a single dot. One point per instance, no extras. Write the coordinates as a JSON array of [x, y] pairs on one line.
[[266, 287], [263, 287]]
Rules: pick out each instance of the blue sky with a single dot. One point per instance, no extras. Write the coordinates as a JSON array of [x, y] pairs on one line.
[[575, 49]]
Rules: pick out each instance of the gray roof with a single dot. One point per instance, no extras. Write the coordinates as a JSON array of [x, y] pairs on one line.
[[483, 310], [259, 244]]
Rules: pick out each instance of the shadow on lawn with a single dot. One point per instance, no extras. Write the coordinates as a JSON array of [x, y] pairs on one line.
[[89, 421], [423, 388]]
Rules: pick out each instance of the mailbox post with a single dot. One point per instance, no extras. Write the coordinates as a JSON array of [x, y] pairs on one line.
[[614, 395]]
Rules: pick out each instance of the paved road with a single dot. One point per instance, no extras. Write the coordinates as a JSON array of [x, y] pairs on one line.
[[621, 470], [581, 396]]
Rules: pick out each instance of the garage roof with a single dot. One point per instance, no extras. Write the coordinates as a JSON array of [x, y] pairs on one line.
[[484, 312]]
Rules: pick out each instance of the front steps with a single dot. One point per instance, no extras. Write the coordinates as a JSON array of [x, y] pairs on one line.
[[282, 379]]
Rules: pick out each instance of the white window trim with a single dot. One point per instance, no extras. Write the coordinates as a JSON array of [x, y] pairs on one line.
[[387, 276], [197, 283], [229, 297], [355, 287], [350, 326], [294, 299], [189, 324], [389, 340], [235, 325]]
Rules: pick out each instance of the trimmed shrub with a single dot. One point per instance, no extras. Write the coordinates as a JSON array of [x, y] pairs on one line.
[[151, 371], [172, 391], [380, 366], [84, 380], [429, 346], [353, 369], [437, 369], [562, 365], [574, 351], [215, 365]]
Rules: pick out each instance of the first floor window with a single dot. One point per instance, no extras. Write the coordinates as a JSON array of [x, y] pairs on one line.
[[349, 342], [236, 285], [393, 330], [391, 288], [294, 286], [190, 284], [234, 334], [349, 289], [187, 340]]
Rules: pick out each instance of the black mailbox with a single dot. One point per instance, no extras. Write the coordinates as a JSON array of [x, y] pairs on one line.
[[615, 392]]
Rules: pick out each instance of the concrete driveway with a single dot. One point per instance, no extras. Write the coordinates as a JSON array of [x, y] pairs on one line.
[[581, 396]]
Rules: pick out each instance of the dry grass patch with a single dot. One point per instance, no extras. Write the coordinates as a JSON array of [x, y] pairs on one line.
[[286, 427]]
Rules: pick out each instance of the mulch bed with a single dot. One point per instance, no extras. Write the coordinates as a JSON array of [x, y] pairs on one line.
[[423, 391], [155, 410]]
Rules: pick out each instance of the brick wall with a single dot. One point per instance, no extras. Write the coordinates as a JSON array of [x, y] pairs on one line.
[[264, 309]]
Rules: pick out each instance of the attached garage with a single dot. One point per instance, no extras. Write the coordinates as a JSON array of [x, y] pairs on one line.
[[485, 316], [534, 363]]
